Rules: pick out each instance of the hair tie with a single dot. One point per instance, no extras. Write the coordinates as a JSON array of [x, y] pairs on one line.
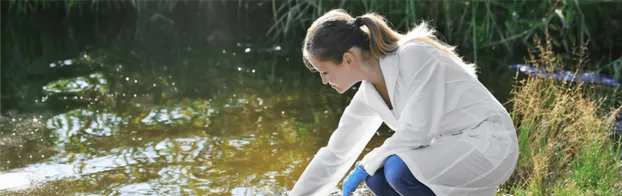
[[358, 21]]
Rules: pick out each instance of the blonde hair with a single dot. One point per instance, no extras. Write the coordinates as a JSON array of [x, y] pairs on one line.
[[335, 32]]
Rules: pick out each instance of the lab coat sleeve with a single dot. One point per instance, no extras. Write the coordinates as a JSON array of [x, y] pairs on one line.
[[357, 126], [424, 107]]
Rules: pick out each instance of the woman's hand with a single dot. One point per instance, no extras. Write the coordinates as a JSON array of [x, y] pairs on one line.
[[353, 180]]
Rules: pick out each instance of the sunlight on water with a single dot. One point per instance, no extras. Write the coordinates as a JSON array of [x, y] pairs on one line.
[[250, 142], [189, 120], [93, 81], [13, 180]]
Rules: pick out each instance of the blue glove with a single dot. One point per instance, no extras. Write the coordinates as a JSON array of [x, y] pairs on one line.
[[353, 180]]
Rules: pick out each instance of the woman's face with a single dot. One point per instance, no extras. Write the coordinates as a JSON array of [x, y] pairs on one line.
[[340, 77]]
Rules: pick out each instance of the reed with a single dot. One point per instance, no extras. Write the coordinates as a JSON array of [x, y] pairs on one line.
[[28, 7], [481, 27], [564, 136]]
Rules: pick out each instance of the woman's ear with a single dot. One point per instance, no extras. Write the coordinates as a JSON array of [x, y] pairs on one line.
[[349, 58]]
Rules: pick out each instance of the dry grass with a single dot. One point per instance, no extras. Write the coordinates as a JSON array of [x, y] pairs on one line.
[[564, 136]]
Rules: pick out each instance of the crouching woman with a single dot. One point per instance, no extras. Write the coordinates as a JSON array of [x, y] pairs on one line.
[[452, 137]]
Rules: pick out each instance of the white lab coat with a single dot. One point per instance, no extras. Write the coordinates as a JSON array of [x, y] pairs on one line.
[[453, 135]]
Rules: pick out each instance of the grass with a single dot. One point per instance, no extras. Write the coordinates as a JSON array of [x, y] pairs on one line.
[[26, 7], [500, 27], [564, 137]]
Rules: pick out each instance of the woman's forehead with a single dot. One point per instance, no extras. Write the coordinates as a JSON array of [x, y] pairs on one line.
[[316, 65], [321, 65]]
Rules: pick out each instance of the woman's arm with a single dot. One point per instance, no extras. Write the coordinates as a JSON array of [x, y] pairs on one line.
[[356, 127]]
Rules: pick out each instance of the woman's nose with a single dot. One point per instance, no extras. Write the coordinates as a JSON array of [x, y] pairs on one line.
[[324, 80]]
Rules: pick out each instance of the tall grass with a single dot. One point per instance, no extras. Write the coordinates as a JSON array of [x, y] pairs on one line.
[[564, 137], [26, 7], [480, 27]]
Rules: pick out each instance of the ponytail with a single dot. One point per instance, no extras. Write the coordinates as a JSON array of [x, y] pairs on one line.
[[382, 39]]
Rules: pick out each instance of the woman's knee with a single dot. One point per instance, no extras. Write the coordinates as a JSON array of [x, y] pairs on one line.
[[394, 170], [399, 177]]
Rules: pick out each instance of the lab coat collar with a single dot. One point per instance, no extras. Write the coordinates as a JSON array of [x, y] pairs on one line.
[[390, 70]]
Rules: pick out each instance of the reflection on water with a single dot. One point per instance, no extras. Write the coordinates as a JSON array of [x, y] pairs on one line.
[[219, 127], [78, 84]]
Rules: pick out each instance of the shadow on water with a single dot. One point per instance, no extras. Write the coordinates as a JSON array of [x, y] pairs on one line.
[[129, 103]]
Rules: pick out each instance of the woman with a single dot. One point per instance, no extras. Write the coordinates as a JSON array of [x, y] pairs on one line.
[[452, 137]]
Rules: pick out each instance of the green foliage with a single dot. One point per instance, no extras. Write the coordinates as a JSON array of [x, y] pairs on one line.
[[481, 27], [29, 7]]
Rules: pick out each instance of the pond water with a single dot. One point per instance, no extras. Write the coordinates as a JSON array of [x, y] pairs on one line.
[[162, 111], [233, 133]]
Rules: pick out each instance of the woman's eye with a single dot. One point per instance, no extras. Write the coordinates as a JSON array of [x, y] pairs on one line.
[[324, 73]]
